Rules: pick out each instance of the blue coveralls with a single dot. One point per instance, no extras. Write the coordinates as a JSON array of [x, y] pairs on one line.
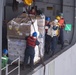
[[61, 37], [30, 52]]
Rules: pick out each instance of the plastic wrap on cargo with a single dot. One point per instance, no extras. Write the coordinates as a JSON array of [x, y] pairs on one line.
[[16, 48], [20, 27]]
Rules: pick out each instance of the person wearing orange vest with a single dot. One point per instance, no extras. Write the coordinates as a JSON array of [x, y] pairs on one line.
[[61, 25], [31, 42]]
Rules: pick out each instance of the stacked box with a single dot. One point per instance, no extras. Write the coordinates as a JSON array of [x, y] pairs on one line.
[[16, 48], [17, 30]]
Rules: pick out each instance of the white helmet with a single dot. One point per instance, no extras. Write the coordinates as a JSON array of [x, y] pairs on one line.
[[55, 21]]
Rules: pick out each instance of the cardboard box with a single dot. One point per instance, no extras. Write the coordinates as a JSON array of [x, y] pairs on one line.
[[20, 31]]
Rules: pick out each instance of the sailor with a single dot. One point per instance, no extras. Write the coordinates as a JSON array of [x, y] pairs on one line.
[[31, 42]]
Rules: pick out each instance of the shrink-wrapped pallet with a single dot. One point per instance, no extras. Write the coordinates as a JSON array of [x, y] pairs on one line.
[[17, 30], [41, 38], [16, 48]]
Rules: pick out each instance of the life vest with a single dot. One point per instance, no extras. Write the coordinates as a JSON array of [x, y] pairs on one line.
[[54, 32], [31, 41], [47, 23], [61, 22]]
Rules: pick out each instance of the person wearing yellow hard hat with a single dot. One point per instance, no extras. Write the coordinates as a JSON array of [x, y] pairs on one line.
[[58, 17], [54, 36]]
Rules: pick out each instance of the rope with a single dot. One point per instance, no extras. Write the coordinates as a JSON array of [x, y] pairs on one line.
[[30, 18]]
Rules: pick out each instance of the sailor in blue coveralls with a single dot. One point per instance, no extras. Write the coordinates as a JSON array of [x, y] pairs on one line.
[[31, 42]]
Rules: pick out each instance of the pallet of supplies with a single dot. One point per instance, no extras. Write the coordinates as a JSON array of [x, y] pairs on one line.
[[17, 29]]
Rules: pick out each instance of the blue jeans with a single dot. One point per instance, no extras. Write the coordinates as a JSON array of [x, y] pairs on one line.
[[29, 53], [54, 43]]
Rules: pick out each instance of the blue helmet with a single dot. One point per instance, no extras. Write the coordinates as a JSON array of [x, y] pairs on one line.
[[34, 34], [5, 51], [47, 18]]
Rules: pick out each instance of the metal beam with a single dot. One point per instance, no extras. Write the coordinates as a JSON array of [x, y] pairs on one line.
[[1, 18], [73, 39], [61, 3]]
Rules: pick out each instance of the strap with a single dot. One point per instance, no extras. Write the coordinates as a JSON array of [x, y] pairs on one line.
[[4, 58]]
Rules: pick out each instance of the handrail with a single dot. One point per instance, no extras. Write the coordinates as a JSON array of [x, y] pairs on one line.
[[13, 70], [18, 67], [3, 68]]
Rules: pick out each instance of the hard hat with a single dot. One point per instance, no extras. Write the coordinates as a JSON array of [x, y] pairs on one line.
[[61, 14], [28, 2], [34, 34], [55, 21], [47, 18], [58, 17], [5, 51]]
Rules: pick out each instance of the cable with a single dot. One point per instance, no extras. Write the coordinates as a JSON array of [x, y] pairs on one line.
[[30, 18]]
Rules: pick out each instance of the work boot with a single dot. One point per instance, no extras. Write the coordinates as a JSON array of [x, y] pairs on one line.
[[23, 67], [52, 54], [31, 66], [62, 47]]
